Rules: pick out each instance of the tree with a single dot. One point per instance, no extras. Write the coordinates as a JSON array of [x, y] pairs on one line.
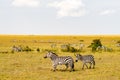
[[95, 44]]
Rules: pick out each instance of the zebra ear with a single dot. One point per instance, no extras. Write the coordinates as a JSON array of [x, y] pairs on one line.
[[75, 54]]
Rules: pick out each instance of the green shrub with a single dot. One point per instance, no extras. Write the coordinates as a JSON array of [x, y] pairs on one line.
[[27, 48], [95, 44]]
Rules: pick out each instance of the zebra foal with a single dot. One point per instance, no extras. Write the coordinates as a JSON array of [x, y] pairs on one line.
[[60, 60], [86, 59]]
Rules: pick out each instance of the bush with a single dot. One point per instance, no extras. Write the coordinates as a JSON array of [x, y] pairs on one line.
[[68, 48], [118, 42], [65, 48], [27, 49], [95, 44], [38, 50], [72, 49]]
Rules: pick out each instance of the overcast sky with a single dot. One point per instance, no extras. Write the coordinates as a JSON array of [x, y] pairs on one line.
[[60, 17]]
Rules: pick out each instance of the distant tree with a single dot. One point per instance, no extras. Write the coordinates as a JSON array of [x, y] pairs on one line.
[[95, 44]]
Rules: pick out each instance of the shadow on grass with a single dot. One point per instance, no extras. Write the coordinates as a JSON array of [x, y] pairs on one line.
[[63, 70]]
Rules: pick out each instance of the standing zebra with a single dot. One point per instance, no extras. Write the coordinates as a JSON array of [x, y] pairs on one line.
[[86, 59], [60, 60]]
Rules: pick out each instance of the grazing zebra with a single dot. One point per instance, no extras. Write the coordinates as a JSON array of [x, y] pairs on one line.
[[86, 59], [118, 45], [60, 60], [17, 49], [104, 48], [81, 46], [53, 46]]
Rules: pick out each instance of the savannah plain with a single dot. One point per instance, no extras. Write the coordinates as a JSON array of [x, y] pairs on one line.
[[30, 65]]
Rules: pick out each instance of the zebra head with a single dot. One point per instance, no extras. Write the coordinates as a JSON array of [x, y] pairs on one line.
[[78, 57], [50, 54]]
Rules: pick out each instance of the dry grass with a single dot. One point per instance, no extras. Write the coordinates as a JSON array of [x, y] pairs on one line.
[[32, 65]]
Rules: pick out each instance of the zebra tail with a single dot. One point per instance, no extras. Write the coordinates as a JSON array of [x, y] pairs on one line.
[[72, 66]]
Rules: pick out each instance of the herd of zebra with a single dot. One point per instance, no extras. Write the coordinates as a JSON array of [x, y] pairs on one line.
[[69, 62]]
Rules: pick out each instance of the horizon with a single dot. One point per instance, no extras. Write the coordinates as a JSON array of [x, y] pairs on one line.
[[59, 35]]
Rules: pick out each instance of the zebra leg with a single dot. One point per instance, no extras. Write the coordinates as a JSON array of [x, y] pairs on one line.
[[72, 67], [83, 66], [93, 64], [86, 65], [66, 66], [54, 67], [90, 65]]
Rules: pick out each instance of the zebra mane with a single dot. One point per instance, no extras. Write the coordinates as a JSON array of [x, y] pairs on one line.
[[54, 53]]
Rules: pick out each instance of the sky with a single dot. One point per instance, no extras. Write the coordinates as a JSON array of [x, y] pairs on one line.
[[59, 17]]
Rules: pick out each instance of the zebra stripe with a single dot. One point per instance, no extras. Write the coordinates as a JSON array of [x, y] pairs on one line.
[[86, 59], [60, 60]]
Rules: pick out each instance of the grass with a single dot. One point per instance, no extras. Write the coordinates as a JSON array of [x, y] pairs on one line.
[[32, 65]]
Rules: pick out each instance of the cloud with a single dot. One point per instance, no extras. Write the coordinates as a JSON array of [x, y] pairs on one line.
[[26, 3], [107, 12], [73, 8]]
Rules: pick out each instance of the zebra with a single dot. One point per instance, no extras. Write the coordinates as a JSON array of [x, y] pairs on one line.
[[86, 59], [118, 45], [60, 60], [17, 49], [81, 46], [104, 48]]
